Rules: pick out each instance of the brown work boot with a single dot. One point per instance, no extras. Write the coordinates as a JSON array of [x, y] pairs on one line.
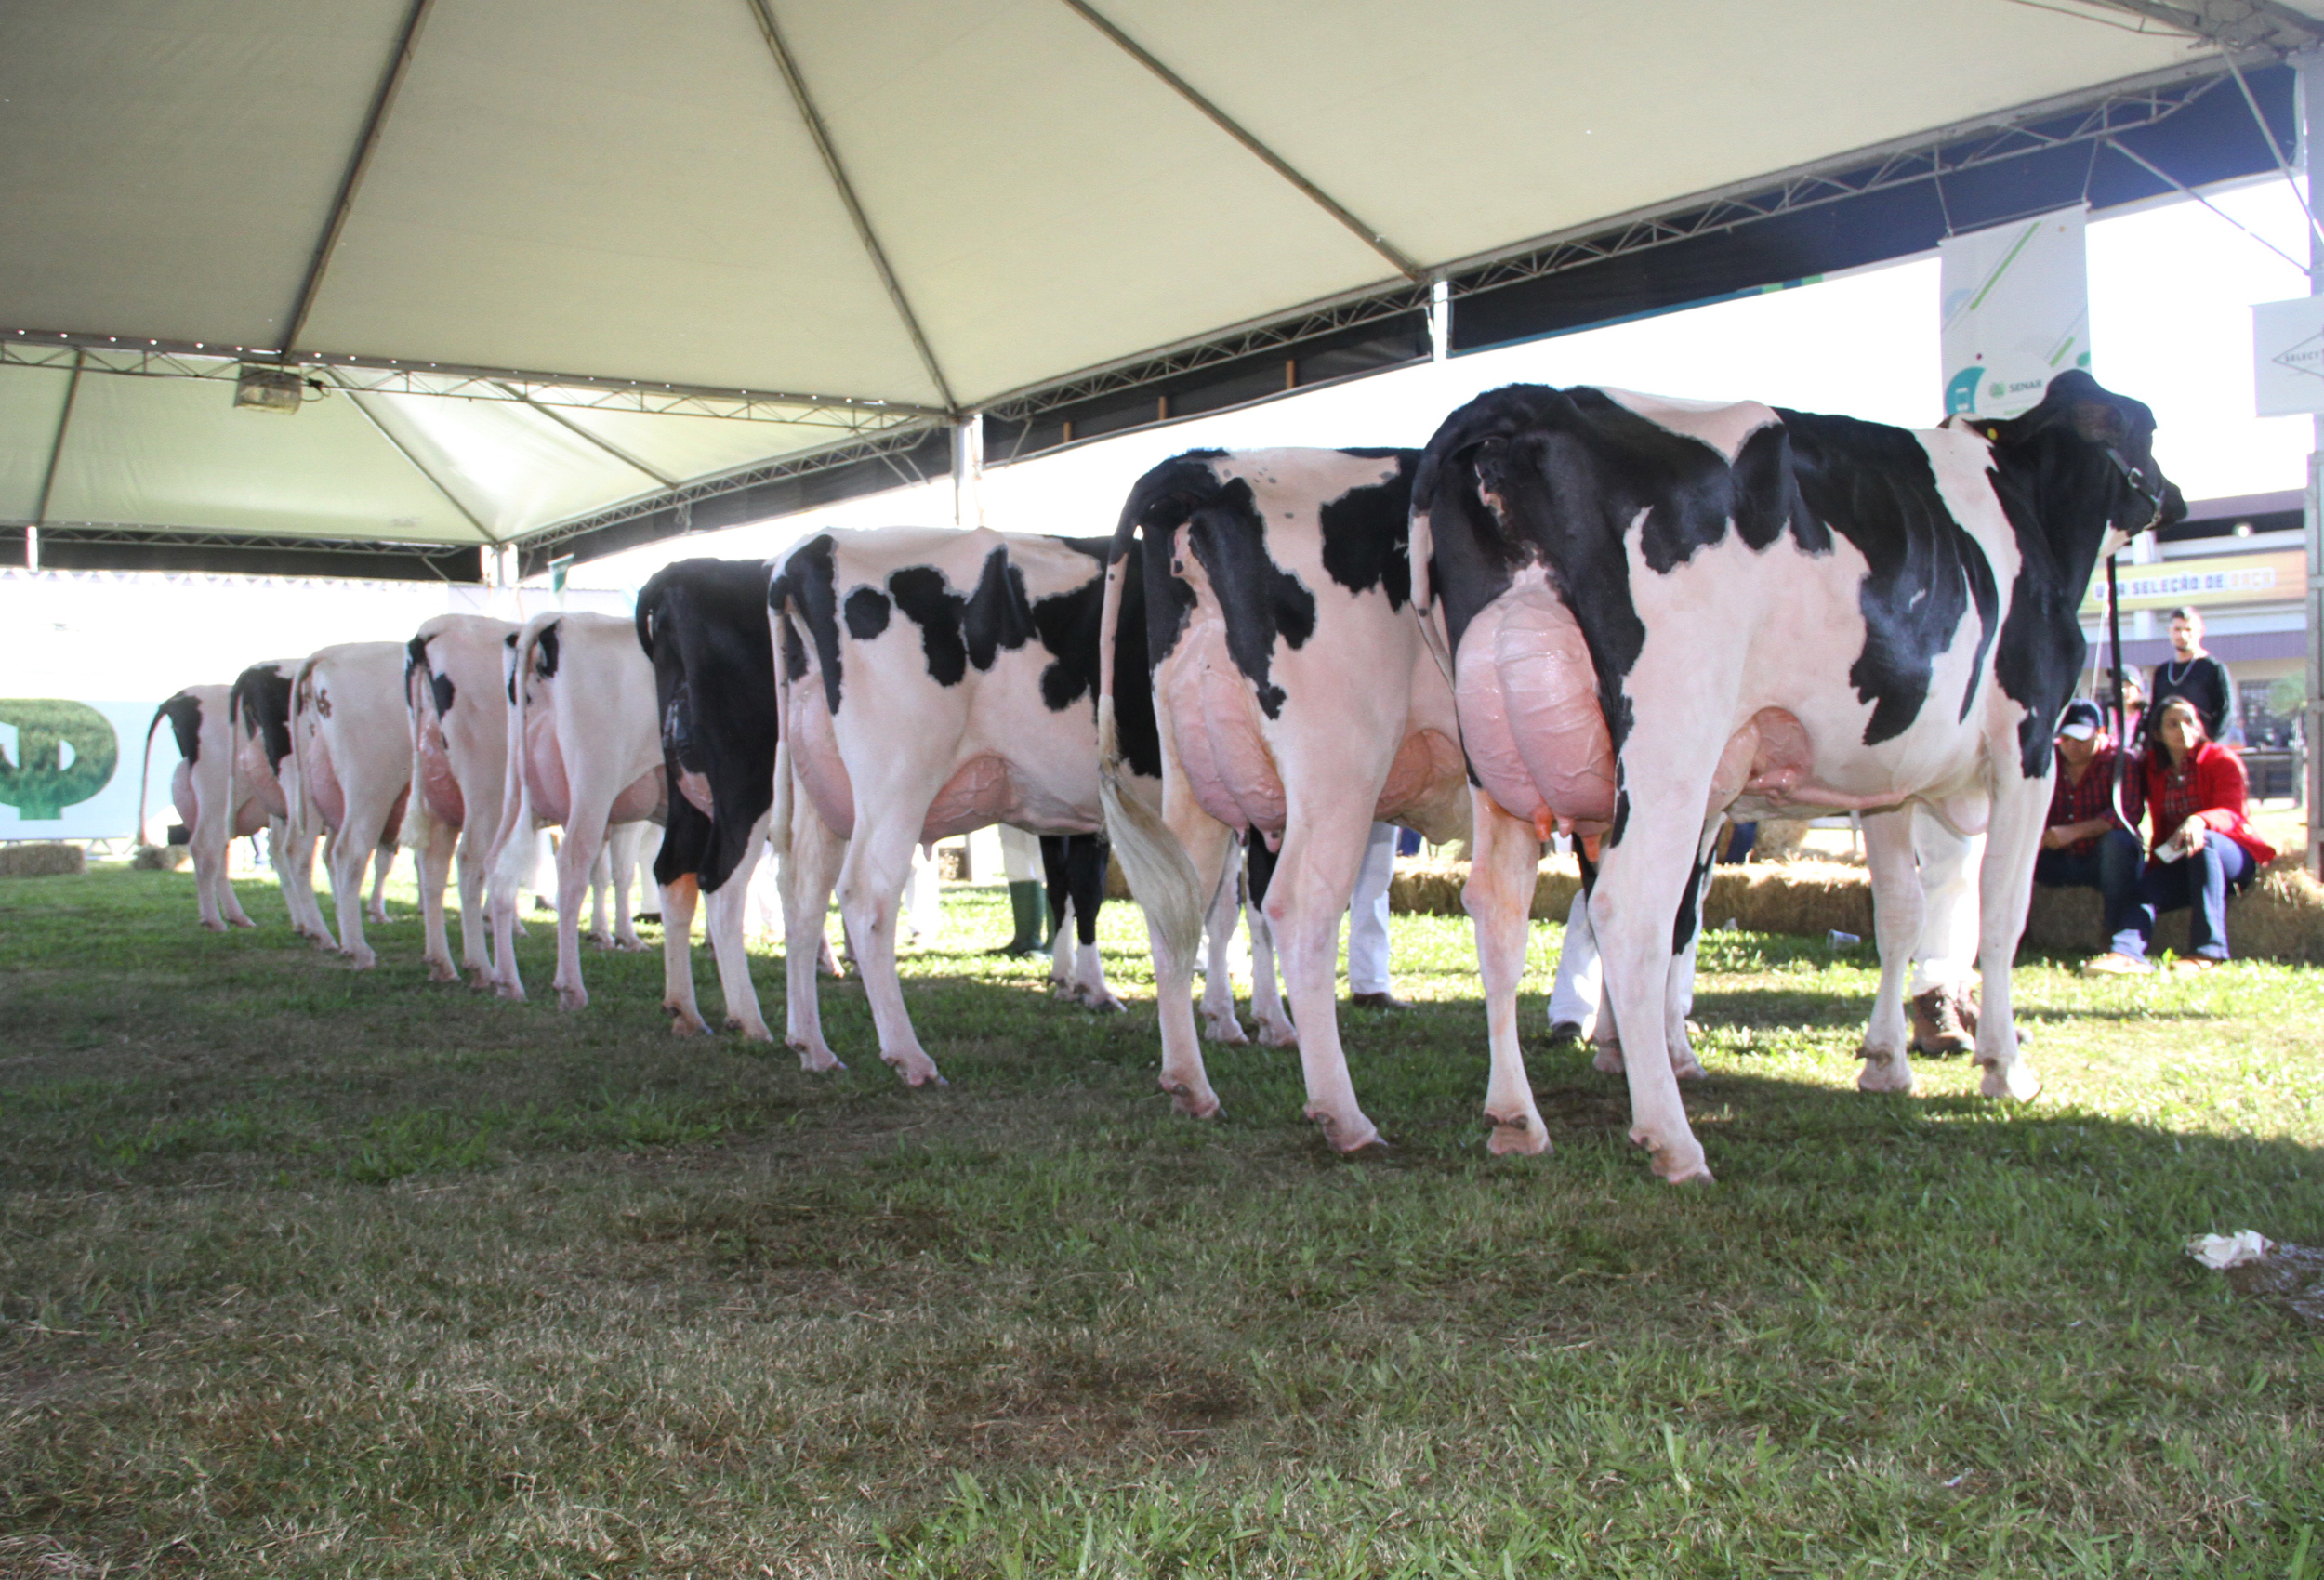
[[1936, 1027]]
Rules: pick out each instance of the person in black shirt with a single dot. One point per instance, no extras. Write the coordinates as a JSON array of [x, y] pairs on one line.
[[2195, 675]]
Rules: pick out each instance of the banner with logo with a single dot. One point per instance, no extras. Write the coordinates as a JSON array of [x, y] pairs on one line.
[[2016, 313], [68, 769]]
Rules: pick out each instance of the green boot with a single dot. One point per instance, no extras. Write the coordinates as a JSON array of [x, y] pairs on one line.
[[1027, 906]]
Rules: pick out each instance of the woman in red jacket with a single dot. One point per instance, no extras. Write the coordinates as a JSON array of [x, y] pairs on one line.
[[2204, 848]]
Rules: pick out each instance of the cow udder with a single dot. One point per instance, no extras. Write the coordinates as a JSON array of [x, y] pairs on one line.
[[1527, 694]]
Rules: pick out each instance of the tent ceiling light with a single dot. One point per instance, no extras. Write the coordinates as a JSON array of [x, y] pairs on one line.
[[260, 388]]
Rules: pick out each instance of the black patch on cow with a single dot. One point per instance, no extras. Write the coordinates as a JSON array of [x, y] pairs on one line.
[[1259, 600], [511, 642], [1874, 485], [1690, 912], [260, 702], [546, 649], [703, 624], [441, 686], [1258, 866], [1620, 825], [956, 632], [184, 713], [809, 585], [778, 608], [866, 613], [2061, 493], [1137, 733], [1368, 531]]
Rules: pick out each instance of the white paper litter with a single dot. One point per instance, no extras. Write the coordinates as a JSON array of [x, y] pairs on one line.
[[2220, 1252]]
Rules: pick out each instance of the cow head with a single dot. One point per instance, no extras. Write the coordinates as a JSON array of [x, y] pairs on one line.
[[2086, 447]]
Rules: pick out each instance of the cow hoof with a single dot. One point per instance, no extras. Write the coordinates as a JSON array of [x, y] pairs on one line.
[[1517, 1135], [512, 992], [818, 1061], [916, 1073], [1286, 1035], [1607, 1060], [1223, 1028], [1884, 1073], [598, 941], [1105, 1004], [572, 998], [213, 927], [1689, 1068], [480, 979], [685, 1023], [1678, 1164], [240, 921], [2018, 1082], [753, 1031], [1347, 1137], [632, 945], [1193, 1104], [362, 959], [441, 971]]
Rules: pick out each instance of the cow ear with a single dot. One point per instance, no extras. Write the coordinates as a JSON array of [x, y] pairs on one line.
[[2100, 422]]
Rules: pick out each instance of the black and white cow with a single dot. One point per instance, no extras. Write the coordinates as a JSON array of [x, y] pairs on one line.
[[1657, 610], [1295, 699], [703, 624], [1073, 868], [454, 671], [259, 710], [932, 682], [352, 738], [200, 788]]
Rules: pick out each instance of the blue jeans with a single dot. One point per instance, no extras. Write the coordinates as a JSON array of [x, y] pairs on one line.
[[2111, 869], [2202, 882]]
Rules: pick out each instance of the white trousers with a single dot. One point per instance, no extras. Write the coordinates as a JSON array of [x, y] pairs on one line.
[[1367, 912], [1021, 856]]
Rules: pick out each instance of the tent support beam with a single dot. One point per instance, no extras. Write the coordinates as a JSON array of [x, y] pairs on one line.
[[765, 13], [388, 87], [418, 466], [56, 457], [1225, 122], [616, 450]]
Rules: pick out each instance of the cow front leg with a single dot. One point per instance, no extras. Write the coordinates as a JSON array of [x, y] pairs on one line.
[[1896, 875], [1503, 867], [626, 841], [600, 891], [878, 863], [727, 907], [2005, 885], [1679, 993], [804, 879], [1643, 882], [678, 898], [1313, 880]]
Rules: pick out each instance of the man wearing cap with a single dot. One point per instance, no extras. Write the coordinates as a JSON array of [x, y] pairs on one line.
[[2085, 845]]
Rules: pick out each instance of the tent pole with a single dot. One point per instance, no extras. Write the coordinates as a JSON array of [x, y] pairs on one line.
[[56, 455], [2310, 67], [967, 471]]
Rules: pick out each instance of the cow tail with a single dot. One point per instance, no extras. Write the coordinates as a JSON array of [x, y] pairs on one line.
[[1161, 876], [514, 850], [145, 773], [300, 800], [419, 824], [779, 822], [1420, 547]]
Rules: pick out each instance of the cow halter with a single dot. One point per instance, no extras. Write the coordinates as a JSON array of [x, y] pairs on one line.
[[2152, 493]]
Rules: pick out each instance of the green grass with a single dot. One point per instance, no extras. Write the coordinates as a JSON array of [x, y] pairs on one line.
[[305, 1272]]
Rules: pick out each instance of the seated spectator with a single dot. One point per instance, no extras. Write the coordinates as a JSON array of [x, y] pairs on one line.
[[2204, 848], [2086, 845]]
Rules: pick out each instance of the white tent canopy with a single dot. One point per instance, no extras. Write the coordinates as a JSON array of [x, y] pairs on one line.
[[540, 256]]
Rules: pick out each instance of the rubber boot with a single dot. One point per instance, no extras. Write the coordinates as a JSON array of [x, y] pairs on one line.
[[1026, 907]]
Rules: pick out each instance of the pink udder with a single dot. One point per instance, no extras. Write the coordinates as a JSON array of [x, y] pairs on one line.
[[978, 793], [1527, 695], [438, 783], [696, 787], [545, 765], [1214, 721], [323, 781], [182, 795], [815, 761]]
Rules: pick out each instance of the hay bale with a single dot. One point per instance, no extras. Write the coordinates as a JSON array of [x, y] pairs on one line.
[[160, 857], [42, 861], [1779, 839], [1807, 897]]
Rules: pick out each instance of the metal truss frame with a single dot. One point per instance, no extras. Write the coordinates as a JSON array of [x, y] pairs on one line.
[[194, 537], [887, 445], [139, 357], [2031, 130]]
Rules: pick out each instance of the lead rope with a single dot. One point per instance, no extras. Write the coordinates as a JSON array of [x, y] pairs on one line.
[[2121, 720]]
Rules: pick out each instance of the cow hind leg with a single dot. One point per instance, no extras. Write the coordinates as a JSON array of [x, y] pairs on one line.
[[1219, 1020], [577, 859], [1208, 845], [382, 860], [805, 877], [1499, 897], [1086, 861], [434, 863], [872, 878], [678, 898], [727, 907], [1309, 893], [627, 842], [1897, 906]]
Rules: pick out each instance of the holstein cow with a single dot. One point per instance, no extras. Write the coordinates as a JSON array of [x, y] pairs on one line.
[[1074, 866], [352, 736], [703, 624], [583, 751], [258, 720], [200, 788], [932, 682], [455, 670], [1295, 698], [1657, 610]]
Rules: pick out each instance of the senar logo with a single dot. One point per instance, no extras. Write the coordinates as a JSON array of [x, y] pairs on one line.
[[65, 752]]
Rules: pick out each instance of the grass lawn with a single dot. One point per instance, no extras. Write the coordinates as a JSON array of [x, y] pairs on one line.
[[307, 1272]]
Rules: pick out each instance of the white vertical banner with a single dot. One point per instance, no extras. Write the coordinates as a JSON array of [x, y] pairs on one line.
[[2016, 311]]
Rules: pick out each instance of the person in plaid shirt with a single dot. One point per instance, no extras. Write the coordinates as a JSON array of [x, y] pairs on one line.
[[2085, 845]]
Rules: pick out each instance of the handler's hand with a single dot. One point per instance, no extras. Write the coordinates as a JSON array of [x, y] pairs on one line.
[[2191, 837]]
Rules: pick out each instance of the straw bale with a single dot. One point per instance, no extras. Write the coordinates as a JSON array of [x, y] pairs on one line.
[[2280, 917], [160, 857], [42, 861]]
